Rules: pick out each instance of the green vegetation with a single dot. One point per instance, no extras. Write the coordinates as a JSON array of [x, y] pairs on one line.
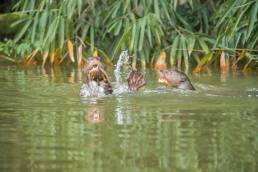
[[192, 33]]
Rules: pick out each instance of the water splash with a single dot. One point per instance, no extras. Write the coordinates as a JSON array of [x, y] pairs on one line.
[[123, 61], [91, 89]]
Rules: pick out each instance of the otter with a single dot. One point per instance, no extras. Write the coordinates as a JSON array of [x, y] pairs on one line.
[[175, 78], [95, 71], [135, 81], [97, 80]]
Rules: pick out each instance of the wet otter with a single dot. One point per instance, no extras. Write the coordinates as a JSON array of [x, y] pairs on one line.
[[135, 81], [97, 80], [175, 78], [98, 83], [94, 69]]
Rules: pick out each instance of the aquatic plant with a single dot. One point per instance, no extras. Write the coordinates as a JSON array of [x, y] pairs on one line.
[[189, 33]]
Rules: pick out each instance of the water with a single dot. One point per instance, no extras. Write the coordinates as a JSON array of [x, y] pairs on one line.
[[91, 89], [121, 71], [46, 126]]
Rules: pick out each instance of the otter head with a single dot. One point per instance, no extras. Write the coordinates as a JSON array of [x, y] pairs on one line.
[[176, 79], [94, 69]]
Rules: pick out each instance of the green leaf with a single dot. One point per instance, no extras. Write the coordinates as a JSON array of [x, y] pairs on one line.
[[85, 32], [79, 7], [157, 35], [17, 5], [42, 25], [70, 8], [165, 7], [34, 27], [41, 5], [116, 8], [121, 42], [255, 41], [239, 19], [227, 13], [32, 4], [185, 52], [253, 19], [133, 37], [25, 6], [51, 35], [92, 38], [206, 58], [196, 57], [19, 22], [175, 46], [136, 40], [205, 21], [142, 23], [61, 32], [149, 35], [172, 58], [191, 3], [156, 7], [190, 43], [147, 54], [203, 45], [118, 28], [175, 4], [127, 2], [23, 30], [112, 27], [183, 21], [179, 58]]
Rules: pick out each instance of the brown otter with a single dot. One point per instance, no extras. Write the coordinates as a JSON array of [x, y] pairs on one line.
[[95, 71], [175, 78], [135, 81], [98, 83]]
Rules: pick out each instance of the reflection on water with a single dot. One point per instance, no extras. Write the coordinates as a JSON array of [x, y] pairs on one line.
[[95, 115], [46, 126]]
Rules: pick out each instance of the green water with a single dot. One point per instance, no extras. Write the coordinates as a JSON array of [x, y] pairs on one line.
[[46, 126]]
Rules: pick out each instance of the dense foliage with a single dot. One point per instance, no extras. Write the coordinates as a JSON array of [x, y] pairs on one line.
[[196, 32]]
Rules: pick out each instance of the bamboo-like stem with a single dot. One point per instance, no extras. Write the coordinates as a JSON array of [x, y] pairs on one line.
[[7, 58]]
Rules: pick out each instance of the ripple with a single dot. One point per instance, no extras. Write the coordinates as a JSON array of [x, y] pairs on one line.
[[46, 126], [252, 92]]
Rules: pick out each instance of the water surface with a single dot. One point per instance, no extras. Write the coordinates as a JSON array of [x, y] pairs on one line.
[[46, 126]]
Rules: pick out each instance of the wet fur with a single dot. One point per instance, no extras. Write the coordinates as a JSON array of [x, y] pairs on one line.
[[95, 71], [175, 78], [135, 81]]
